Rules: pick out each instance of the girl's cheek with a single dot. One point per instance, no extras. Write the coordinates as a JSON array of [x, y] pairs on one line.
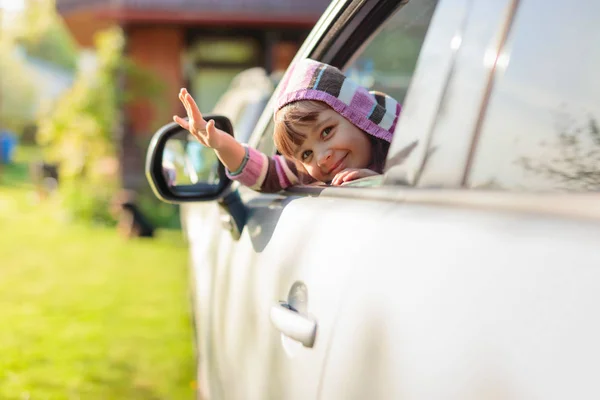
[[311, 170]]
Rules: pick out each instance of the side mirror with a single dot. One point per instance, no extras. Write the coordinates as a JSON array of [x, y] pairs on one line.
[[180, 169]]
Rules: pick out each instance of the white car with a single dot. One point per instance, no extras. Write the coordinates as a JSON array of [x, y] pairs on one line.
[[469, 270]]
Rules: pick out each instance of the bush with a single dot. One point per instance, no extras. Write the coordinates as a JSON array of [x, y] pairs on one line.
[[80, 134], [17, 92], [160, 214]]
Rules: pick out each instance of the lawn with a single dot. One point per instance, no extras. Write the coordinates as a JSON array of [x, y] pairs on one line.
[[84, 313]]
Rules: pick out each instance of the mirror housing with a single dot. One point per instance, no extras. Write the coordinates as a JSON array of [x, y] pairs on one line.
[[197, 191]]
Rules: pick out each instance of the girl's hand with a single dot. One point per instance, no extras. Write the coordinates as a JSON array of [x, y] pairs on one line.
[[228, 150], [350, 174], [205, 132]]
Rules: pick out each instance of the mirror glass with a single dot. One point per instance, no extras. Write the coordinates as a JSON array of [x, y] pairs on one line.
[[187, 162]]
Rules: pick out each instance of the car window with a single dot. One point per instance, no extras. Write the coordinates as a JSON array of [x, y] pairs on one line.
[[388, 61], [542, 129], [248, 118]]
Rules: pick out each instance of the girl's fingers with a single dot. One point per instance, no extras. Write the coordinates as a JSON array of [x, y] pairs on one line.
[[195, 124], [186, 104], [345, 176], [190, 105], [184, 97], [210, 127], [337, 179], [181, 96], [182, 122], [194, 108], [183, 92], [350, 176]]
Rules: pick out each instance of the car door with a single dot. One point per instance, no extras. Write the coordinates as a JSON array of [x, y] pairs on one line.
[[240, 355], [300, 247], [286, 252], [496, 283]]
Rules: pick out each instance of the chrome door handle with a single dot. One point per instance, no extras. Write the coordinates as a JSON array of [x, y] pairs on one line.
[[294, 325]]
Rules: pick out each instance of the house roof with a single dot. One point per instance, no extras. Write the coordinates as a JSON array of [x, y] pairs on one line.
[[250, 8], [85, 17]]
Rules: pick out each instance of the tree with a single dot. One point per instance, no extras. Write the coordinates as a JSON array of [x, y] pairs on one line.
[[43, 35], [17, 93], [78, 133], [576, 165], [81, 133]]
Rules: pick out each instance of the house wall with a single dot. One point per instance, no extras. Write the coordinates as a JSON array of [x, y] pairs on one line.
[[159, 50]]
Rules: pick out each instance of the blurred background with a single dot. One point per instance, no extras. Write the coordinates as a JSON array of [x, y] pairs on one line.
[[94, 296]]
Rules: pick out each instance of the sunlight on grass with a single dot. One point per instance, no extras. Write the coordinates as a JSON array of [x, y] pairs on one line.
[[86, 314]]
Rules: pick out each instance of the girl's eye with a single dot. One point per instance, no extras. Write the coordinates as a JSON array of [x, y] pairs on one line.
[[306, 154], [326, 132]]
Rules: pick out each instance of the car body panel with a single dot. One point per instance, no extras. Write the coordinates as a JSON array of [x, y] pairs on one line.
[[480, 303], [317, 248]]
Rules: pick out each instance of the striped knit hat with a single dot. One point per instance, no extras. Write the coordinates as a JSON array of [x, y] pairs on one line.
[[373, 112]]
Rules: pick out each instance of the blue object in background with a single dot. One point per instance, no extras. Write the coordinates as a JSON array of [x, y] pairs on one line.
[[8, 142]]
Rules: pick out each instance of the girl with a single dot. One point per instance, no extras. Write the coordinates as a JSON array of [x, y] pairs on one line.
[[327, 129]]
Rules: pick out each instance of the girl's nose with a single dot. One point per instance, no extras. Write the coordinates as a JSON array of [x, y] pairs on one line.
[[324, 159]]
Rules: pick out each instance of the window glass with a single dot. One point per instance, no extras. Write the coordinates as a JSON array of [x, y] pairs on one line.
[[208, 84], [388, 62], [541, 130]]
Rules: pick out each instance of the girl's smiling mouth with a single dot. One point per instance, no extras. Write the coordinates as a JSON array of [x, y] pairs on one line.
[[338, 166]]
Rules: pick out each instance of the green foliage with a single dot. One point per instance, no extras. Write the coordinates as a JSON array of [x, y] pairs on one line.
[[37, 32], [143, 84], [159, 213], [88, 202], [78, 134], [17, 92], [81, 132], [42, 34]]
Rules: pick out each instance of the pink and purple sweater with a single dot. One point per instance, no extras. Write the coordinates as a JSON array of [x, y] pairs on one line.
[[267, 174]]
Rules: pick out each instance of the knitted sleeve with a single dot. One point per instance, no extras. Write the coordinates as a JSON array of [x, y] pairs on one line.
[[265, 174]]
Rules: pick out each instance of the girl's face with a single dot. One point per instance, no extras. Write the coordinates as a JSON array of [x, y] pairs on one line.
[[332, 144]]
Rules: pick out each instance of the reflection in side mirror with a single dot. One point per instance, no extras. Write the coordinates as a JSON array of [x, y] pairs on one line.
[[179, 168], [187, 162]]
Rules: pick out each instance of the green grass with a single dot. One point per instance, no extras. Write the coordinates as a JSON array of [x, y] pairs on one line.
[[84, 313]]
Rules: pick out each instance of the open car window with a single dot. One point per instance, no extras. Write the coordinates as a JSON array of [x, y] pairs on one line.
[[386, 62]]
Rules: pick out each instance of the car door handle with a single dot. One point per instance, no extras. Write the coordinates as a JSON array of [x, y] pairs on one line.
[[294, 325]]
